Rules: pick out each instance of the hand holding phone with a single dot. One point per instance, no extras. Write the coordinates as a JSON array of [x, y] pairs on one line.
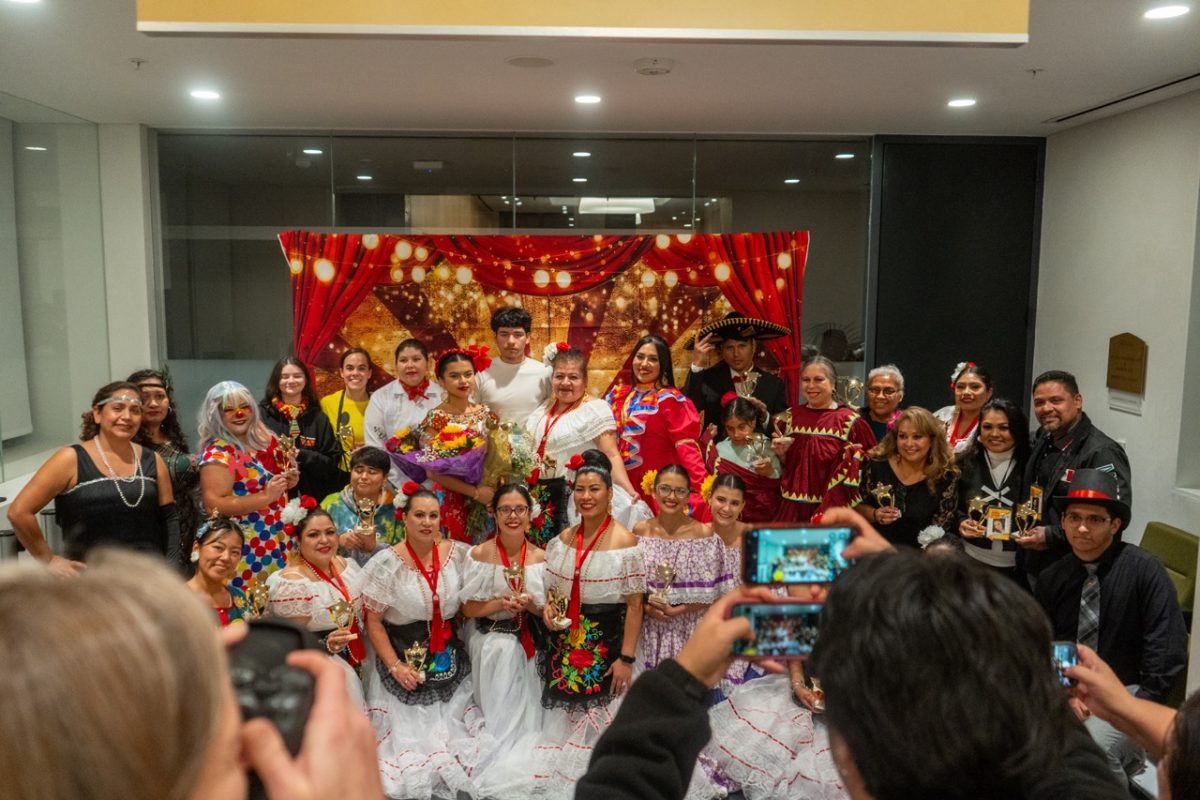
[[1064, 656], [795, 555]]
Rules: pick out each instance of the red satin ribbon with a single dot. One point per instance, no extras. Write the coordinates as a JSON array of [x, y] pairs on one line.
[[1088, 493], [580, 556], [358, 650], [437, 625], [551, 420], [523, 629], [414, 392]]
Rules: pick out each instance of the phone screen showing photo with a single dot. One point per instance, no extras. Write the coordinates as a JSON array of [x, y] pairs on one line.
[[809, 554], [1064, 655], [781, 630]]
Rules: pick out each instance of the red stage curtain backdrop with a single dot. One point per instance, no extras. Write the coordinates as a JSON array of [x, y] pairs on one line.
[[758, 274]]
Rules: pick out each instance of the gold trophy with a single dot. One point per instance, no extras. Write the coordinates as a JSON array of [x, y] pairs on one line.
[[342, 614], [366, 520], [259, 596], [883, 494], [976, 509], [556, 599], [760, 445], [664, 574], [345, 437], [1026, 517], [746, 386], [285, 451], [819, 702], [515, 575], [414, 656]]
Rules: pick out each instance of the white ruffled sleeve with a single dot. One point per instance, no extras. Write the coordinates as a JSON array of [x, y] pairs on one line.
[[479, 581], [380, 581], [633, 570], [290, 598], [535, 583]]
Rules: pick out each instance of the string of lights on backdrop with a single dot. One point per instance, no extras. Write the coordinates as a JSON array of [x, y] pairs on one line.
[[599, 293]]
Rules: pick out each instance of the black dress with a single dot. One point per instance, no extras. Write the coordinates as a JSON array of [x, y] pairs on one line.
[[97, 510], [919, 506], [975, 480]]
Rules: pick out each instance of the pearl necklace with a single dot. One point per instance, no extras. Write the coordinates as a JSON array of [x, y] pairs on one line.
[[117, 480]]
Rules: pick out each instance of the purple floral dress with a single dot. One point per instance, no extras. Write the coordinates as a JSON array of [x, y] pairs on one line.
[[702, 574]]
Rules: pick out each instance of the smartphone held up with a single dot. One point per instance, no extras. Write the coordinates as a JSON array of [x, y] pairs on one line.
[[797, 555]]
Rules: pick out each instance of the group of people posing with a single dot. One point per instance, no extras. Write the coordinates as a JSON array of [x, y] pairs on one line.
[[494, 554]]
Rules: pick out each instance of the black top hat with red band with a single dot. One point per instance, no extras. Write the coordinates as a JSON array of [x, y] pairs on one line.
[[1097, 488]]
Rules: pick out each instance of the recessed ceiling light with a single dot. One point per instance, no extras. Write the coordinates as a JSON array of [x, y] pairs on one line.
[[1166, 12], [35, 148], [529, 62], [714, 199], [205, 94], [962, 102], [844, 156], [364, 177], [313, 151], [582, 154], [579, 180], [791, 180], [587, 99], [687, 224]]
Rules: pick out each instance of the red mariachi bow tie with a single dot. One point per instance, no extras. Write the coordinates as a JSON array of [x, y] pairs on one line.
[[414, 392], [739, 378]]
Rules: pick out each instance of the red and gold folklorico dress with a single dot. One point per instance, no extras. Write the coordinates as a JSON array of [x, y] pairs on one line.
[[762, 493], [657, 426], [821, 468]]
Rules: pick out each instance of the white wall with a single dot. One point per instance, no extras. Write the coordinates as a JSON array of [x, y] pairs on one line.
[[15, 418], [1119, 253]]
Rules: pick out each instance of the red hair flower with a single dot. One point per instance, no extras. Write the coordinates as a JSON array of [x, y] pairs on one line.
[[728, 398], [308, 502], [575, 463], [479, 357], [562, 347], [410, 488]]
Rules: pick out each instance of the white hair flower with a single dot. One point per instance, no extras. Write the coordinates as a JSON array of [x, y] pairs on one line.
[[930, 535], [293, 513]]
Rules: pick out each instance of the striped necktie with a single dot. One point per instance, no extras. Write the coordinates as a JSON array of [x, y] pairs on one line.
[[1089, 608]]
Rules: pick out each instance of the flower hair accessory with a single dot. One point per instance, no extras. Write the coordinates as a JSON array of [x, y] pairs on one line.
[[648, 481], [553, 349], [728, 398], [295, 511], [930, 535], [706, 487], [406, 491], [575, 462], [535, 509], [478, 353], [959, 368]]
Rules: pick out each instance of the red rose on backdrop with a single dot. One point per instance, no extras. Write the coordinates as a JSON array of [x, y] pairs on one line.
[[580, 658]]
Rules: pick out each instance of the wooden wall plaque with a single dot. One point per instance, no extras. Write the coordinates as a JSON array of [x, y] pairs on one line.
[[1127, 363]]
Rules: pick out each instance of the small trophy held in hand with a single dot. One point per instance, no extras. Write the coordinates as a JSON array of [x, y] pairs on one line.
[[342, 614], [414, 656], [883, 494], [819, 693], [514, 575], [664, 575], [557, 600], [259, 596], [1026, 518], [366, 520], [285, 453], [760, 445], [976, 509]]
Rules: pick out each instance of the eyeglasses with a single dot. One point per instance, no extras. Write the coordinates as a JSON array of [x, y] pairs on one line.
[[1093, 520], [886, 391], [678, 491], [512, 511]]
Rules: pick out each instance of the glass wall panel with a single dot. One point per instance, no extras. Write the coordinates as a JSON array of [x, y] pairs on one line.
[[53, 319]]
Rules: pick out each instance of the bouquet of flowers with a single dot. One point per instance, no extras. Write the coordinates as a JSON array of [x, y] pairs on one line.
[[404, 440], [454, 449]]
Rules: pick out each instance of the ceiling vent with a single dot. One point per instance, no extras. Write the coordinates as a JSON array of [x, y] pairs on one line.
[[1140, 93], [654, 66]]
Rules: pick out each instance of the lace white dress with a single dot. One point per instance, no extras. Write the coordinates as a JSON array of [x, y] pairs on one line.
[[578, 706], [428, 739], [770, 746], [575, 432], [506, 683], [294, 595]]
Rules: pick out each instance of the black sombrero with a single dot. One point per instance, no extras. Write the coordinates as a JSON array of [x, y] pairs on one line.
[[735, 326]]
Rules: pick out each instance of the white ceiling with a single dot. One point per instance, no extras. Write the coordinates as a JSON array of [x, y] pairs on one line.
[[74, 56]]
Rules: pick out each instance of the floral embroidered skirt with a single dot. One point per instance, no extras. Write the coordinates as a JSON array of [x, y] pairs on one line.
[[575, 660]]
